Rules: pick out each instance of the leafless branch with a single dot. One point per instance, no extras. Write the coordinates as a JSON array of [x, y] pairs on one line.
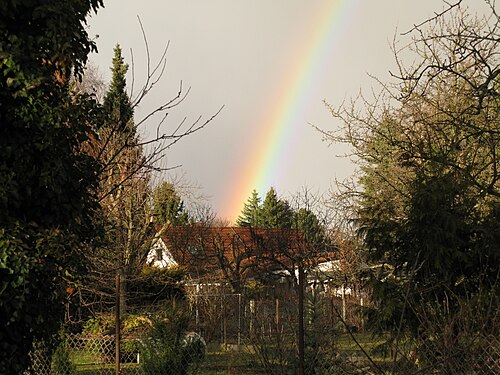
[[436, 16]]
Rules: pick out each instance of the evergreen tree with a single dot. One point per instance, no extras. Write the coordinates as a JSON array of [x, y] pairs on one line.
[[251, 215], [431, 184], [168, 206], [276, 213], [117, 107], [307, 222], [124, 191], [272, 213]]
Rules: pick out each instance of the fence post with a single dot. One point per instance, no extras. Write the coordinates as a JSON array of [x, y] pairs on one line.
[[224, 314], [117, 325], [252, 317], [344, 309], [301, 332], [197, 318], [239, 320], [277, 313]]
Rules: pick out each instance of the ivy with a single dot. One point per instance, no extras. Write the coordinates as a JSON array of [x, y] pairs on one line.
[[47, 184]]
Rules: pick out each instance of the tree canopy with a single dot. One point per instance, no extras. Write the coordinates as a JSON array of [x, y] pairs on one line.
[[251, 213], [428, 149], [168, 206], [272, 213], [47, 184], [124, 196], [117, 106], [276, 212]]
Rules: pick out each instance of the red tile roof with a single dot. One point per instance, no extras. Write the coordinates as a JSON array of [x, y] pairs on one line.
[[236, 251]]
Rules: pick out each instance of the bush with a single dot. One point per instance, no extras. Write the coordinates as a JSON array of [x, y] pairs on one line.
[[168, 349], [61, 361]]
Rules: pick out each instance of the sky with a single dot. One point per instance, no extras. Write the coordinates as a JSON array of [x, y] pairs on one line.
[[270, 64]]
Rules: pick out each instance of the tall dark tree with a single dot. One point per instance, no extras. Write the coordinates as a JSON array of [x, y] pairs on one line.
[[431, 183], [117, 107], [309, 225], [124, 194], [46, 182], [124, 177]]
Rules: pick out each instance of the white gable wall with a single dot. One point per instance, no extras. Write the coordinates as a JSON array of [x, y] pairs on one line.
[[159, 256]]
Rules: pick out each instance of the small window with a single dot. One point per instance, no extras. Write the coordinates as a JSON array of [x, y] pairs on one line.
[[159, 254], [193, 250]]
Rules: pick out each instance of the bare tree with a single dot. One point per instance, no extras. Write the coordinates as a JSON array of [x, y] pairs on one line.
[[427, 194], [127, 166]]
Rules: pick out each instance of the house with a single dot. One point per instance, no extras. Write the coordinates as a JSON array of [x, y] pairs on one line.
[[219, 257], [235, 254]]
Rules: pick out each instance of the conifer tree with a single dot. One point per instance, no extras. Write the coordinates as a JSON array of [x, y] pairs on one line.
[[251, 213], [276, 212], [168, 206], [124, 189], [307, 222], [431, 184], [117, 107]]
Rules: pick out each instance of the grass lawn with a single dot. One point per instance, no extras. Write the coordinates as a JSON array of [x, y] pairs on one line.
[[345, 342], [91, 364], [230, 362], [244, 361]]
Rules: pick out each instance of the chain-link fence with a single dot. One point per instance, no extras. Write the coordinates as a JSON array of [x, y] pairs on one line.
[[258, 334], [95, 354], [271, 350], [265, 332], [85, 354]]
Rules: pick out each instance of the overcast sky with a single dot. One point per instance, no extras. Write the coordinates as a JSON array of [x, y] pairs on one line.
[[243, 55]]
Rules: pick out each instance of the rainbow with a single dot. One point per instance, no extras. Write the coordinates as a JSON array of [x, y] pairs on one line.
[[277, 132]]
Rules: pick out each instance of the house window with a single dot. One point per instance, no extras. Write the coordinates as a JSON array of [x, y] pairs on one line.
[[159, 254], [192, 249]]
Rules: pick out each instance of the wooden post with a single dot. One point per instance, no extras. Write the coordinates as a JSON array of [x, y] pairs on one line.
[[196, 312], [361, 303], [117, 326], [239, 320], [224, 313], [301, 340], [252, 316], [344, 309], [277, 313]]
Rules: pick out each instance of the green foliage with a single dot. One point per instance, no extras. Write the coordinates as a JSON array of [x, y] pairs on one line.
[[155, 286], [167, 349], [434, 237], [251, 213], [276, 213], [48, 33], [308, 223], [124, 195], [35, 263], [319, 337], [102, 324], [430, 182], [46, 183], [168, 206], [272, 213], [117, 104], [61, 360]]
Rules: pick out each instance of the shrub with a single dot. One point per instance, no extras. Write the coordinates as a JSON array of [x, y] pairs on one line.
[[168, 349]]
